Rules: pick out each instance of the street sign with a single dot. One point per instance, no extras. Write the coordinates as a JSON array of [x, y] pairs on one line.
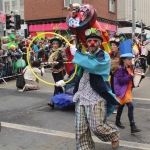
[[2, 18]]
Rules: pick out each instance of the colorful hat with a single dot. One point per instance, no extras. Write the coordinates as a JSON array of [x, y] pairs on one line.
[[11, 37], [93, 33], [56, 38], [117, 38], [114, 40], [12, 47], [126, 49]]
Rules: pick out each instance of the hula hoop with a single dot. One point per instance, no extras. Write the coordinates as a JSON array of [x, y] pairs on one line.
[[27, 57], [65, 30]]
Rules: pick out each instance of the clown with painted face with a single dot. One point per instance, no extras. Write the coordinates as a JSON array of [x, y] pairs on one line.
[[93, 40], [93, 94]]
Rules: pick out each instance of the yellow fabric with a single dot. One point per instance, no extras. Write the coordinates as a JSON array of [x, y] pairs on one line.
[[54, 55], [128, 95]]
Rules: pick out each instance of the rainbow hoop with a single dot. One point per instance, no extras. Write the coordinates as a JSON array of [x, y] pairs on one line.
[[53, 84]]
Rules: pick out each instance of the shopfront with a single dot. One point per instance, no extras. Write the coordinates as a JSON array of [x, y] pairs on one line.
[[36, 29]]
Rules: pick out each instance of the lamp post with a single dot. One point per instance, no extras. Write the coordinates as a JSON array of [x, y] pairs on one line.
[[133, 19]]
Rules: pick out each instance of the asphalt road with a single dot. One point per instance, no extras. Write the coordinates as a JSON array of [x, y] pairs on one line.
[[28, 123]]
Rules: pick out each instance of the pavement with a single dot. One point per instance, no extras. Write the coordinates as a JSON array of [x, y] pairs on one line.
[[28, 123]]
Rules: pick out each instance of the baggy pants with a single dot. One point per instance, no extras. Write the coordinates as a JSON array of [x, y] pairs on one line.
[[93, 117]]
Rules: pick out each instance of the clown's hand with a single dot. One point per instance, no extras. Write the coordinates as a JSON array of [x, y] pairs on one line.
[[60, 83], [73, 49]]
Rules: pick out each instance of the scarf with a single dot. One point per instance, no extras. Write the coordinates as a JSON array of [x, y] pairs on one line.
[[53, 55]]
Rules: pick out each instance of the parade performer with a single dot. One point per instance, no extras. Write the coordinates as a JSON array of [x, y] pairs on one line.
[[115, 56], [58, 70], [93, 94], [69, 67], [123, 85]]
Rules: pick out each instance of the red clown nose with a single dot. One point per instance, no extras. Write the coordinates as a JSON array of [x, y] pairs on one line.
[[92, 42]]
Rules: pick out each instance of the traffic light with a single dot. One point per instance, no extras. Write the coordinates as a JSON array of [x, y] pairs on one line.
[[142, 27], [9, 21], [17, 22]]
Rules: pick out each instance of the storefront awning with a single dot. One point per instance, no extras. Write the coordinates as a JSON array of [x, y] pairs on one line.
[[62, 26]]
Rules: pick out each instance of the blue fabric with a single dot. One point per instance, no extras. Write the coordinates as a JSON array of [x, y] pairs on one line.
[[98, 64], [125, 48], [98, 78], [62, 100], [110, 109], [35, 48], [129, 55]]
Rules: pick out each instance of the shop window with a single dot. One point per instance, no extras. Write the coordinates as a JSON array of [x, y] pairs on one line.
[[112, 6], [7, 7], [67, 2]]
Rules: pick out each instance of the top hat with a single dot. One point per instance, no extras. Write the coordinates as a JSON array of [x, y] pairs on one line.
[[115, 40], [93, 33], [126, 49], [56, 38]]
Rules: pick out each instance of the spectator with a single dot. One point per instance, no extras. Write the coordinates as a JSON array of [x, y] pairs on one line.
[[31, 82]]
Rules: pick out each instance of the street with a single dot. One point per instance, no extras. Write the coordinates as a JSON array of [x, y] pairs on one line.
[[28, 123]]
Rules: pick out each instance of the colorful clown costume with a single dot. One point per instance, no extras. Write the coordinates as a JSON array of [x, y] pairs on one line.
[[91, 113]]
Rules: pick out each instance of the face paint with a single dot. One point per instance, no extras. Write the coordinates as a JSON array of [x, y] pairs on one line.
[[93, 45]]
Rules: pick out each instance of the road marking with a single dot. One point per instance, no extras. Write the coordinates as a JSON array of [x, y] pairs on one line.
[[145, 99], [144, 109], [140, 146], [38, 109]]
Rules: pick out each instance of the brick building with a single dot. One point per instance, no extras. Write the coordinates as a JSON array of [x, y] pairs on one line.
[[48, 15]]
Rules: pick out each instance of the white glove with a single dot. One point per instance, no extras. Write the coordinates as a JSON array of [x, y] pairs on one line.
[[73, 49], [60, 83]]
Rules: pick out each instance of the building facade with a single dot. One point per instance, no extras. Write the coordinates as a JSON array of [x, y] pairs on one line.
[[16, 7], [124, 16], [141, 13], [52, 14], [1, 8]]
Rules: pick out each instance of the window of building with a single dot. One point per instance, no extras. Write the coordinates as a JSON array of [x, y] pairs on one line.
[[7, 7], [14, 4], [21, 4], [67, 2], [112, 6]]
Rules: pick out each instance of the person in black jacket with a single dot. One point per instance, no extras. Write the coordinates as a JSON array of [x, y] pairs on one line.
[[56, 59]]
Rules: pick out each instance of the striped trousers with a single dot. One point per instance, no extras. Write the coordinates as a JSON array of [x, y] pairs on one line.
[[93, 117]]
